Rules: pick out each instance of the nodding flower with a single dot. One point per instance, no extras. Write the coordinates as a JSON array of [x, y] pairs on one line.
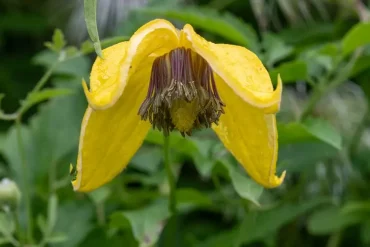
[[175, 80]]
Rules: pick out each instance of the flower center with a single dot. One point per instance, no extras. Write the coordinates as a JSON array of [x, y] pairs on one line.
[[182, 93]]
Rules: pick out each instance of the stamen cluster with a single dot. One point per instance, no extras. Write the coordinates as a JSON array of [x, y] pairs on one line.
[[182, 93]]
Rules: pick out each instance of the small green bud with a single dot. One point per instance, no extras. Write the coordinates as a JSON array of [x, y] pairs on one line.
[[9, 193]]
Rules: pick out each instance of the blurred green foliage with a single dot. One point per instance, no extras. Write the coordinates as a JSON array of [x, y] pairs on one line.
[[320, 49]]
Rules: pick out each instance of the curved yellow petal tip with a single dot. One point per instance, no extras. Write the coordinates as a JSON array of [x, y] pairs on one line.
[[276, 98], [276, 181], [98, 101]]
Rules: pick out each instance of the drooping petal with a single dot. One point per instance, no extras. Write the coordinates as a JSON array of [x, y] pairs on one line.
[[240, 69], [109, 138], [110, 75], [250, 135]]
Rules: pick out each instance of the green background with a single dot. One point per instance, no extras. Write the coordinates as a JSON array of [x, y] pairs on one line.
[[320, 48]]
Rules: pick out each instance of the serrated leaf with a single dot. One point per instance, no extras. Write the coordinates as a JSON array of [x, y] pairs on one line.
[[226, 25], [146, 223], [356, 37], [290, 72], [92, 28]]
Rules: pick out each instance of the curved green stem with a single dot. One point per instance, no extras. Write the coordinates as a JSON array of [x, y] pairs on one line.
[[40, 84], [170, 175], [327, 85]]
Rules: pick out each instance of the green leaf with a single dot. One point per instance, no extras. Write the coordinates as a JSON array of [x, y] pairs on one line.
[[357, 36], [87, 46], [45, 94], [57, 237], [58, 40], [78, 66], [100, 195], [275, 49], [189, 199], [310, 130], [146, 223], [290, 72], [356, 207], [196, 148], [147, 159], [365, 229], [92, 28], [227, 26], [7, 226], [362, 64], [52, 212], [244, 186], [324, 132], [50, 137], [332, 219], [222, 239], [4, 241], [304, 144], [1, 99], [177, 142], [204, 160], [74, 221], [261, 224], [71, 51], [300, 156], [41, 223]]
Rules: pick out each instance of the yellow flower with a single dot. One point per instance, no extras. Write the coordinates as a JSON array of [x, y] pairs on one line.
[[176, 80]]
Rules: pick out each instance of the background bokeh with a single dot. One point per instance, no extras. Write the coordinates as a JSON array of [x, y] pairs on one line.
[[320, 48]]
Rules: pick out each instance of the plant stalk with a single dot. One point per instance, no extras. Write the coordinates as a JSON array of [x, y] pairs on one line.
[[25, 178], [170, 175]]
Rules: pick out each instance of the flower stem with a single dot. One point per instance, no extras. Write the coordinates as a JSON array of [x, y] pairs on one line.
[[170, 175], [25, 178]]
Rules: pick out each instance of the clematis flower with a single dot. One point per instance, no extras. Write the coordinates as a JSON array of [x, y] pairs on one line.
[[172, 79]]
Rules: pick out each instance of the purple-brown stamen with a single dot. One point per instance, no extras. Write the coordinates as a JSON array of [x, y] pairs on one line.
[[181, 82]]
